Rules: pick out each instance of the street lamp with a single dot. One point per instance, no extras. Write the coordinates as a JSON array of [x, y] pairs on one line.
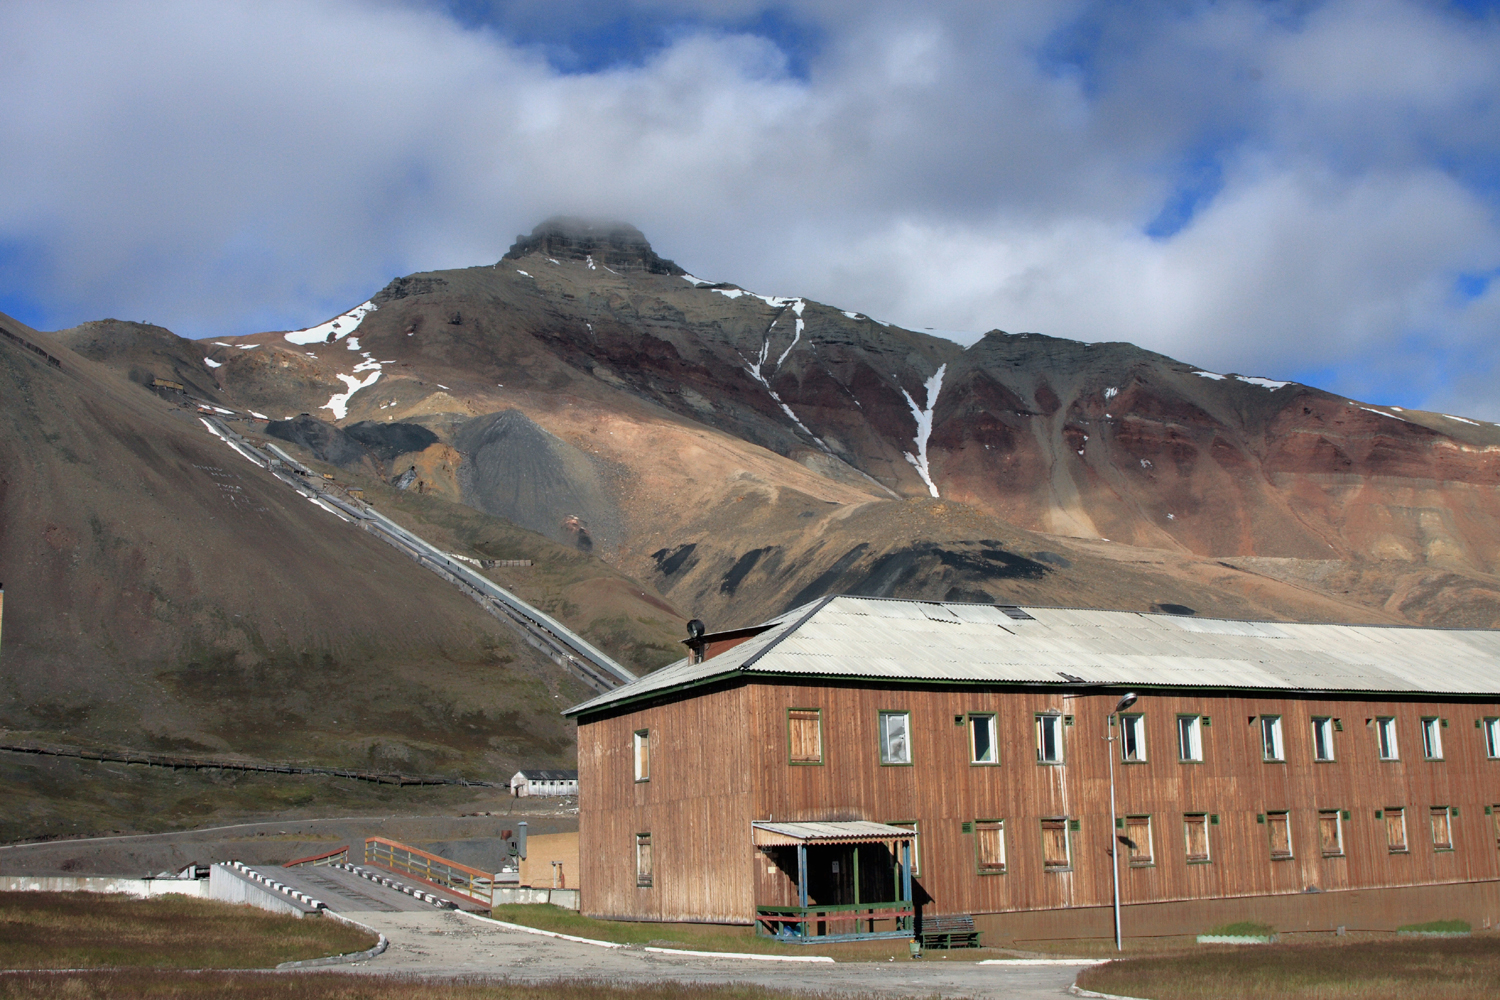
[[1114, 848]]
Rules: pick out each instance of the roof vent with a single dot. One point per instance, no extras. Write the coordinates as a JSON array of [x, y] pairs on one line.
[[1015, 613]]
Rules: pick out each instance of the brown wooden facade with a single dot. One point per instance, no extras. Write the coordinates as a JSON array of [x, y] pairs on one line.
[[721, 757]]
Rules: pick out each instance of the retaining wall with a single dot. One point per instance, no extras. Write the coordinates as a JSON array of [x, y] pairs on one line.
[[141, 888], [226, 885], [565, 898]]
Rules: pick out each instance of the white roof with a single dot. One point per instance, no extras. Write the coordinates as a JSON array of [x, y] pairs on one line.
[[768, 834], [875, 638]]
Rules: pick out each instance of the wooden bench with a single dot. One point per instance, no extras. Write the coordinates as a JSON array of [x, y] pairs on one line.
[[951, 930]]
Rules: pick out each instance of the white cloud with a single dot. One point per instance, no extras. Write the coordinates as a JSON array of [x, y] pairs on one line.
[[225, 167]]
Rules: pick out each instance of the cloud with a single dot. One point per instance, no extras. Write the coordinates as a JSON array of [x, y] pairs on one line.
[[1246, 186]]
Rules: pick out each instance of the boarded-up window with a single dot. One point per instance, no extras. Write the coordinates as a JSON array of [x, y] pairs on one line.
[[643, 755], [1195, 831], [1055, 853], [989, 846], [1395, 830], [1280, 825], [1138, 841], [644, 864], [1442, 829], [805, 735], [1132, 738], [895, 738], [1330, 833]]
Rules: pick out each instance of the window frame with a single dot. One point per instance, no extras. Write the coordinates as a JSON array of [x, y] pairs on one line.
[[1446, 813], [1048, 720], [992, 724], [792, 760], [915, 826], [1385, 727], [1194, 736], [1405, 845], [1133, 859], [1322, 733], [1187, 841], [1067, 842], [996, 826], [1491, 726], [641, 753], [883, 736], [1135, 723], [1272, 743], [645, 875], [1338, 829], [1285, 816], [1432, 737]]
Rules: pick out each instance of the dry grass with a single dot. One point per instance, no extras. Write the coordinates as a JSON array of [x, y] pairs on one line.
[[1389, 969], [170, 985], [76, 930]]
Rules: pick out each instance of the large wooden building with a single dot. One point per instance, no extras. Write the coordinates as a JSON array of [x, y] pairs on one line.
[[1311, 776]]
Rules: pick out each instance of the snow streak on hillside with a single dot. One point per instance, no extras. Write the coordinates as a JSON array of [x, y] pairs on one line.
[[924, 427], [339, 326]]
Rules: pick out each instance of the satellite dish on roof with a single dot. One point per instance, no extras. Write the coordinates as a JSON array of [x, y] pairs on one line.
[[696, 629]]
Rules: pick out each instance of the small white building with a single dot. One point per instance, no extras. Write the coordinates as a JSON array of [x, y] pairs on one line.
[[544, 782]]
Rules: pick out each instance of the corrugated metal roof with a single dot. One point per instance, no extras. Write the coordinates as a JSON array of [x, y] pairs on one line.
[[861, 637], [768, 834]]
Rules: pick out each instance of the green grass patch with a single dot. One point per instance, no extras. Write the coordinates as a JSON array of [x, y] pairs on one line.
[[175, 985], [79, 930], [1244, 928], [1438, 927], [1387, 969]]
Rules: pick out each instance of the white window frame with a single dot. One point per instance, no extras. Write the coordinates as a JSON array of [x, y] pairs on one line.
[[641, 750], [1272, 749], [1385, 738], [1134, 856], [984, 721], [1338, 829], [1190, 739], [1446, 812], [1049, 724], [1405, 846], [895, 748], [1207, 856], [1492, 738], [1323, 750], [1432, 738], [1286, 818], [1133, 739]]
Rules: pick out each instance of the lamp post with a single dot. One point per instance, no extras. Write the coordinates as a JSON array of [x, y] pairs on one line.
[[1114, 847]]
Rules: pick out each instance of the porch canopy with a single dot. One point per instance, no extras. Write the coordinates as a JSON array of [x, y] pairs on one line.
[[859, 831]]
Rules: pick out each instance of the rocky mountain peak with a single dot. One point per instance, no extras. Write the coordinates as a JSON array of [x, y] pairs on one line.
[[616, 245]]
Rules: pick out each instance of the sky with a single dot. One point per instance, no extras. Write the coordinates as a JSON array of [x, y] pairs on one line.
[[1302, 190]]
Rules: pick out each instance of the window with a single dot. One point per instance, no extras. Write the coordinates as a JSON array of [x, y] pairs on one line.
[[1056, 856], [1322, 738], [643, 755], [1395, 830], [1492, 738], [1385, 732], [1138, 841], [989, 846], [916, 843], [804, 735], [1195, 832], [983, 747], [1270, 738], [1049, 739], [895, 737], [1190, 737], [1494, 812], [1330, 833], [643, 861], [1280, 826], [1132, 738], [1432, 739], [1442, 828]]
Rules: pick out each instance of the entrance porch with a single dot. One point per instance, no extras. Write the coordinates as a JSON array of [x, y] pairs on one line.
[[835, 881]]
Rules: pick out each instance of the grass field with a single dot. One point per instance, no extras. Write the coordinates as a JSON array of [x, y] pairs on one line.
[[169, 985], [75, 930], [1386, 969]]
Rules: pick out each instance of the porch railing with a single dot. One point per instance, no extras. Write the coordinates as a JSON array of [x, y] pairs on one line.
[[846, 922], [439, 872]]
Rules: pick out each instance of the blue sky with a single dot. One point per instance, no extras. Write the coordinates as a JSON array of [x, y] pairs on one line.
[[1301, 190]]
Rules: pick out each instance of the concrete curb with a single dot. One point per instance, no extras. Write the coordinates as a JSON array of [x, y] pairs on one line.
[[355, 956], [821, 959], [1079, 992], [1042, 961], [398, 885]]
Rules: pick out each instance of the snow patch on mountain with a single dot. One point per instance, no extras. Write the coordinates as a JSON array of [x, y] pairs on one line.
[[212, 363], [923, 416], [340, 326]]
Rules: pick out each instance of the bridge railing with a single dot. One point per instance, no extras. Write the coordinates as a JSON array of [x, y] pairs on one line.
[[436, 871]]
